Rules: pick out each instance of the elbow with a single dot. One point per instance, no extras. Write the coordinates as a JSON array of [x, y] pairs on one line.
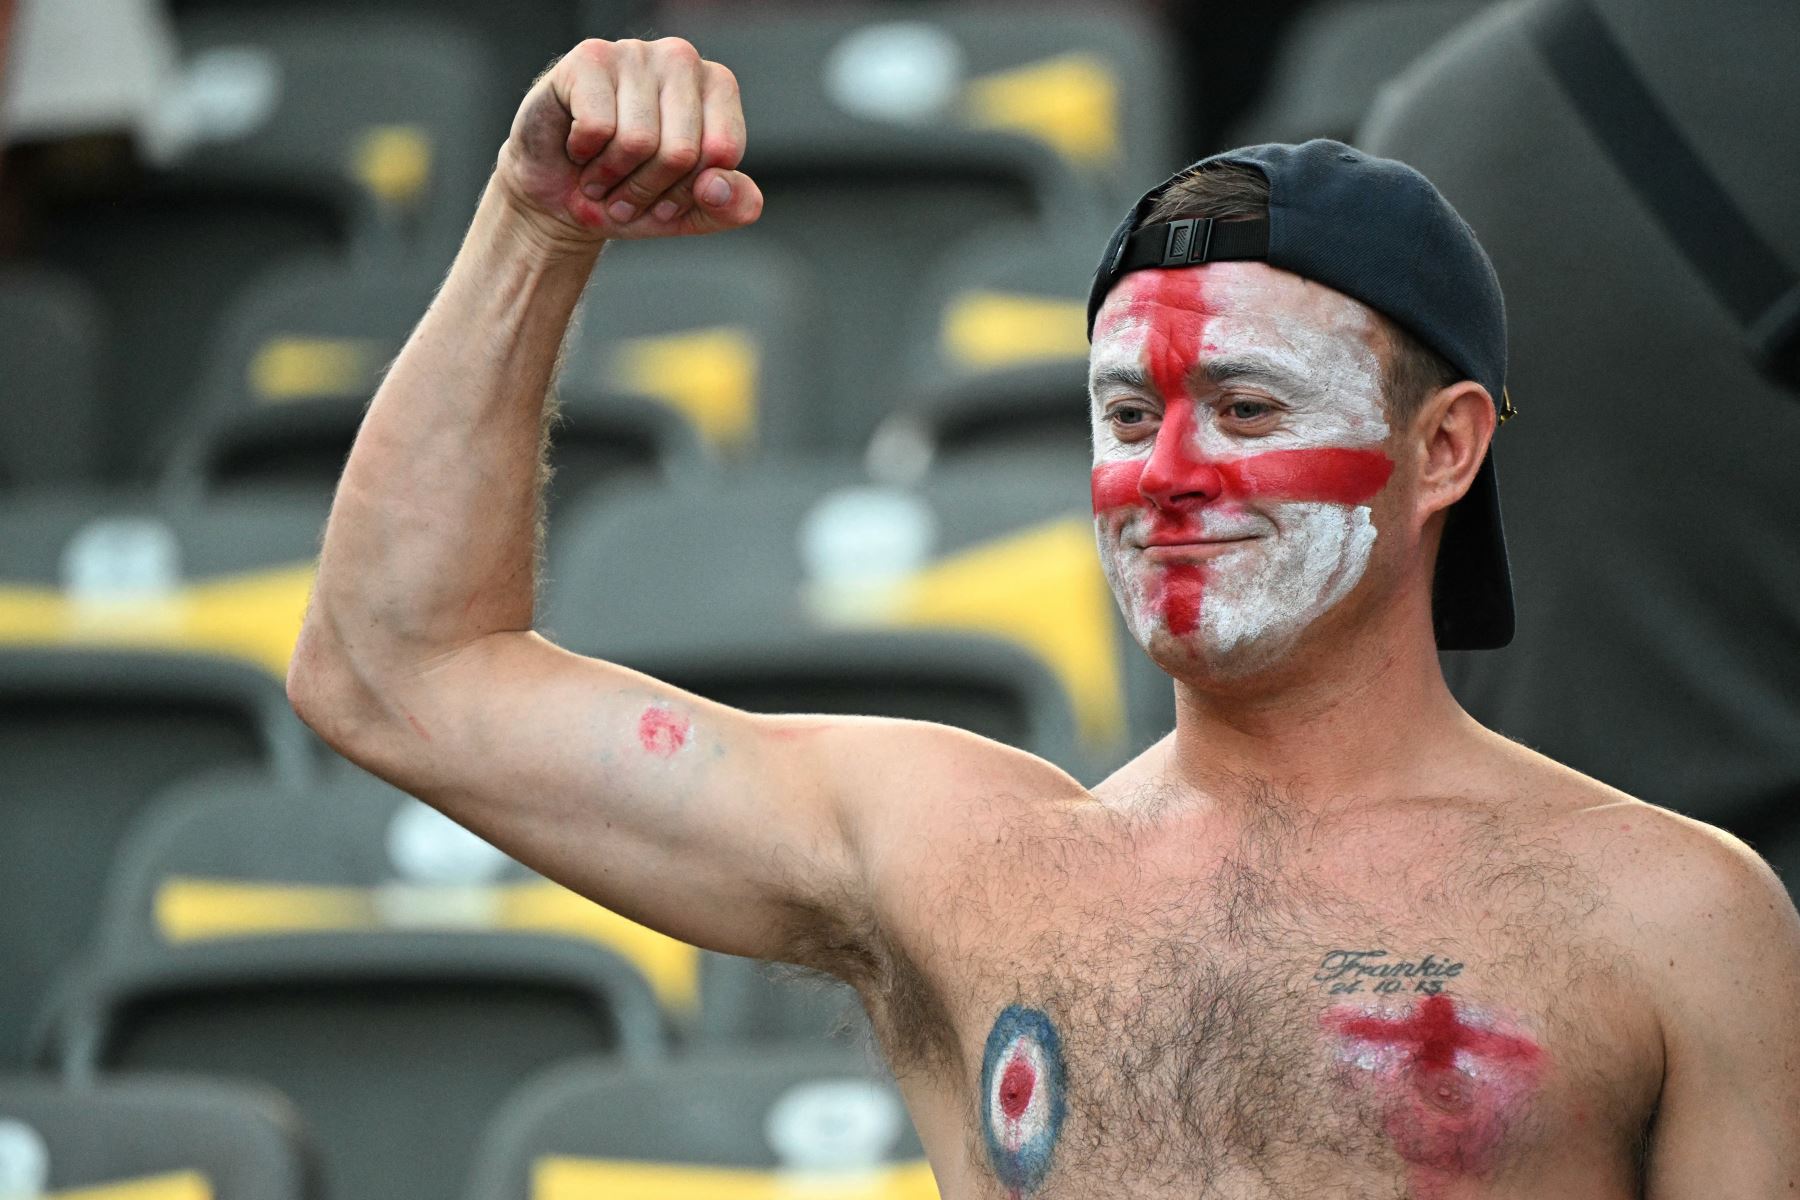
[[333, 696]]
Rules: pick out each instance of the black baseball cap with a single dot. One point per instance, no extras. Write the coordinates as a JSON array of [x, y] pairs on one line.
[[1379, 232]]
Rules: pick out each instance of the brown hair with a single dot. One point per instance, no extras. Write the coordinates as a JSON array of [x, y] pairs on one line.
[[1229, 191]]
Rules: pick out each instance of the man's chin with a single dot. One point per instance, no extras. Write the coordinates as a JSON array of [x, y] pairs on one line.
[[1195, 658]]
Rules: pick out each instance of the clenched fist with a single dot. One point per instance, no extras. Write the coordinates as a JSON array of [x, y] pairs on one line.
[[630, 139]]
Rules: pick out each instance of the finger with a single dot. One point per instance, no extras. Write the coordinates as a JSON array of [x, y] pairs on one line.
[[678, 154], [722, 137], [590, 99], [724, 200], [638, 132]]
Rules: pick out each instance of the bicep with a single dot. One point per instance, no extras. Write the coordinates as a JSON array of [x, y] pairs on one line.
[[713, 825]]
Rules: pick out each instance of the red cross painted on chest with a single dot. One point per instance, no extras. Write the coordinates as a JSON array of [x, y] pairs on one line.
[[1433, 1033]]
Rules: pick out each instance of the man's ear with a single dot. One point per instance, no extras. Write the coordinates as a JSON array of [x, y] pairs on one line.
[[1454, 427]]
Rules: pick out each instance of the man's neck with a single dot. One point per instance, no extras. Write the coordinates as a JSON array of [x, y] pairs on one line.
[[1369, 715]]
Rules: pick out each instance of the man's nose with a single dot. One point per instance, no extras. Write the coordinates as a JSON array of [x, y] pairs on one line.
[[1177, 473]]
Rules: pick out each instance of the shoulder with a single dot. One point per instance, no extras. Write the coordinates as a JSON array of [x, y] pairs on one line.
[[1673, 881]]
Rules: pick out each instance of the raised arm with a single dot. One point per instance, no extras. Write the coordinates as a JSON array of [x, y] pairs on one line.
[[1728, 976], [417, 658]]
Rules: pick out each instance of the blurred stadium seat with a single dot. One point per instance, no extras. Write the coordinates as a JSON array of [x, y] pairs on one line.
[[699, 352], [520, 38], [51, 339], [912, 126], [975, 600], [1334, 59], [382, 967], [286, 380], [149, 1139], [1649, 515], [137, 645], [724, 1126], [386, 110], [680, 360], [744, 1001], [283, 137], [998, 357]]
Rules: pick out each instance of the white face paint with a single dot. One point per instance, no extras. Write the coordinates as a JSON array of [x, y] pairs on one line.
[[1238, 424]]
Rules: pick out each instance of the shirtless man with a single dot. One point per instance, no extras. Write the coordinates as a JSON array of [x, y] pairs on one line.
[[1329, 937]]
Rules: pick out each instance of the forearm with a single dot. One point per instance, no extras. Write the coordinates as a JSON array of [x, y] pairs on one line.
[[433, 536]]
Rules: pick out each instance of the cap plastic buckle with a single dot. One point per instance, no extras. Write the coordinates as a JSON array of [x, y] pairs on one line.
[[1189, 241]]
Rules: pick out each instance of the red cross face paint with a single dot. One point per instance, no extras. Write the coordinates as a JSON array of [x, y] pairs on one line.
[[1450, 1082], [1238, 445]]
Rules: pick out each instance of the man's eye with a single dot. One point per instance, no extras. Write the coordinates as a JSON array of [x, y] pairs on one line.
[[1248, 410], [1128, 416]]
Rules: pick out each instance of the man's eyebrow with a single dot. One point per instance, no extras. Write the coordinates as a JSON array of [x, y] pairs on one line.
[[1129, 375], [1251, 368]]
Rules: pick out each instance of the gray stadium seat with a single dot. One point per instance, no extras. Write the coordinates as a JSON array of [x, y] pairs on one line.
[[136, 645], [882, 135], [150, 1139], [391, 974], [289, 374], [521, 38], [999, 359], [975, 600], [821, 1123], [323, 135], [703, 348], [1333, 60], [51, 339], [1649, 491], [394, 111], [679, 361]]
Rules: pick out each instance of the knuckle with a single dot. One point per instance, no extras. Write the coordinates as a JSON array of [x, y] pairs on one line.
[[680, 157], [596, 50], [722, 78], [635, 143], [677, 48]]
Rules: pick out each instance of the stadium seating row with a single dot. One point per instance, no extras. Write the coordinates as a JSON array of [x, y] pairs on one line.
[[734, 1126]]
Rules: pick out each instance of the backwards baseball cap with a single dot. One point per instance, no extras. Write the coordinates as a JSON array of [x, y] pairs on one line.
[[1379, 232]]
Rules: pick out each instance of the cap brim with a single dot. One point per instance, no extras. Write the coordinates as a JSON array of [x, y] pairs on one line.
[[1471, 594]]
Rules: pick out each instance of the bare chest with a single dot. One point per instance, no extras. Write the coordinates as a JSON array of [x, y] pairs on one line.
[[1123, 1018]]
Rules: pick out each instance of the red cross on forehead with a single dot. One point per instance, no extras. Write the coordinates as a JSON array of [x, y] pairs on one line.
[[1434, 1033]]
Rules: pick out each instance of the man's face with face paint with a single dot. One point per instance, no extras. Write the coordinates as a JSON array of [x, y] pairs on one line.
[[1239, 436]]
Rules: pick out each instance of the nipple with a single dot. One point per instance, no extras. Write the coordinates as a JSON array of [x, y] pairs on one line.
[[1445, 1089]]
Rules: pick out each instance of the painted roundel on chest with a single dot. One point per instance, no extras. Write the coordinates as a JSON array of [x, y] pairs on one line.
[[1022, 1089]]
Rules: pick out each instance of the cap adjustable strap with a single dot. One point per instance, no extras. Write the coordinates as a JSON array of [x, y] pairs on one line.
[[1187, 242]]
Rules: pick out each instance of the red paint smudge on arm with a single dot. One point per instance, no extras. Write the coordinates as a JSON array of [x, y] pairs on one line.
[[662, 732]]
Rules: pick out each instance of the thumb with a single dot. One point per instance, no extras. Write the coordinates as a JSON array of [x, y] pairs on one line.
[[724, 200]]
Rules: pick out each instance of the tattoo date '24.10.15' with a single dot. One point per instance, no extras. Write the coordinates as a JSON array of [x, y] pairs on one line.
[[1345, 972]]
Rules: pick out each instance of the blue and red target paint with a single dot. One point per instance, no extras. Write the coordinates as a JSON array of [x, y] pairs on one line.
[[1022, 1097]]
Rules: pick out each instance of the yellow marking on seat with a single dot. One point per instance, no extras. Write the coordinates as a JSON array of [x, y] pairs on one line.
[[567, 1178], [708, 376], [177, 1185], [297, 367], [984, 331], [393, 162], [254, 616], [191, 910], [1070, 102], [1040, 588]]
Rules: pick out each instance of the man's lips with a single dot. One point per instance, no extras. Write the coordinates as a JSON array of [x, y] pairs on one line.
[[1189, 549]]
